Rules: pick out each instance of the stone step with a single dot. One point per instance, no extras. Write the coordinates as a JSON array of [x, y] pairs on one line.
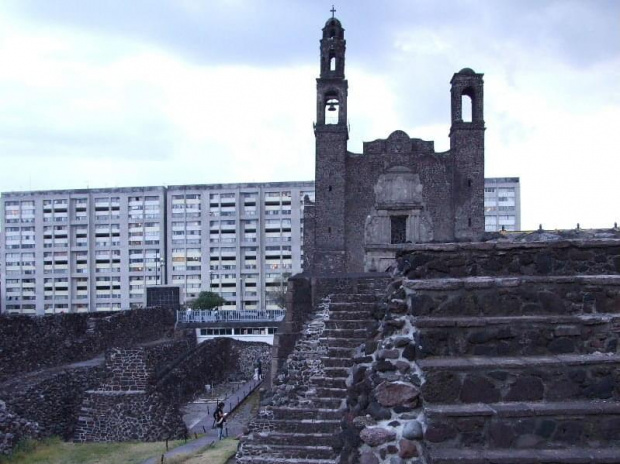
[[351, 307], [288, 451], [336, 372], [329, 382], [337, 362], [302, 439], [348, 325], [517, 335], [349, 343], [282, 412], [525, 425], [368, 297], [325, 426], [328, 402], [341, 351], [515, 296], [331, 393], [535, 378], [345, 333], [350, 316], [571, 455]]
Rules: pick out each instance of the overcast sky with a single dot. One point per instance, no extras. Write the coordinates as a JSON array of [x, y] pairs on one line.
[[161, 92]]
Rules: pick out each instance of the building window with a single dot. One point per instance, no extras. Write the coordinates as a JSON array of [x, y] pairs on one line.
[[398, 229]]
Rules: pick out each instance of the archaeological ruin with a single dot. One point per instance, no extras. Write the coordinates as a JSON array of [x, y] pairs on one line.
[[92, 377], [473, 348]]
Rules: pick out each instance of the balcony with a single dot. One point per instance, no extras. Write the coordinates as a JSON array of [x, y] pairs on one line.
[[203, 316]]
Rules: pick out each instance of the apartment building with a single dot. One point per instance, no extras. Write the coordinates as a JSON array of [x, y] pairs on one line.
[[81, 250], [239, 240], [98, 249], [502, 204]]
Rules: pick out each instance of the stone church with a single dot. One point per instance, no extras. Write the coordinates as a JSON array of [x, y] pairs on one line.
[[399, 190]]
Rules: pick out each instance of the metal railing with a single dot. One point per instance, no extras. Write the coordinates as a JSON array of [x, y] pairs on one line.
[[203, 315]]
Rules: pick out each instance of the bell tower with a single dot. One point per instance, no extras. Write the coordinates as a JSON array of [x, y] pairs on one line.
[[331, 134], [467, 149]]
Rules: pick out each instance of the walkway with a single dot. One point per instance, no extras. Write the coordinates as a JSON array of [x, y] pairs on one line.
[[202, 424]]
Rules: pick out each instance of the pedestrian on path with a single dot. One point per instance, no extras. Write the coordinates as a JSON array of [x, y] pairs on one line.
[[258, 370], [220, 419]]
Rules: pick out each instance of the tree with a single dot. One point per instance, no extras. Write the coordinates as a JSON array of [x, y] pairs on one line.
[[278, 295], [207, 300]]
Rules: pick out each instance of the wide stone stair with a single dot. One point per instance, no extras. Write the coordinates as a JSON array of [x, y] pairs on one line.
[[304, 427], [519, 369]]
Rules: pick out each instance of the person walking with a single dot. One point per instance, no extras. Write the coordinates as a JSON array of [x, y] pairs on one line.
[[220, 419]]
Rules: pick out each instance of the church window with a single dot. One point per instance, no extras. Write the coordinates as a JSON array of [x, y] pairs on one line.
[[332, 63], [398, 229]]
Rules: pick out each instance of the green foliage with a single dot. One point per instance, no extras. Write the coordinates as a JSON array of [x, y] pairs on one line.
[[55, 451], [207, 300], [278, 296]]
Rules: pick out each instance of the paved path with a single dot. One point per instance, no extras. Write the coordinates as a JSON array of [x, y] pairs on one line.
[[236, 394]]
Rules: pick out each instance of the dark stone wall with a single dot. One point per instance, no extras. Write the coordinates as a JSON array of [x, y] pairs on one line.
[[298, 307], [14, 429], [29, 343], [51, 399], [563, 258]]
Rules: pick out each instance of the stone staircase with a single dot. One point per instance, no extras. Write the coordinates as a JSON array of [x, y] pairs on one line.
[[519, 369], [302, 423]]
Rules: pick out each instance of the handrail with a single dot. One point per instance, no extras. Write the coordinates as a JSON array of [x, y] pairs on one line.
[[204, 315]]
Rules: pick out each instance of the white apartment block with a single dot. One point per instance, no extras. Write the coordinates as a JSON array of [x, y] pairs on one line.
[[502, 204], [98, 249], [80, 250], [238, 240]]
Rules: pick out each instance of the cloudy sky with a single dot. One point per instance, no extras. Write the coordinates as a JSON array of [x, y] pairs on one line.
[[162, 92]]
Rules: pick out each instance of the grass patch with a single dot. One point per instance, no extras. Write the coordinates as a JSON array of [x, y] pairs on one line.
[[55, 451], [218, 453]]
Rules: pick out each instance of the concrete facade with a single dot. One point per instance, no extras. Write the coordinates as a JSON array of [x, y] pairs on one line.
[[358, 196], [98, 249], [502, 204]]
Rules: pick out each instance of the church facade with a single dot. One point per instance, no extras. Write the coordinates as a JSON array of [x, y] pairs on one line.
[[399, 190]]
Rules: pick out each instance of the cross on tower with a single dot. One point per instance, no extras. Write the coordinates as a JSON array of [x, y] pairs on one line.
[[333, 10]]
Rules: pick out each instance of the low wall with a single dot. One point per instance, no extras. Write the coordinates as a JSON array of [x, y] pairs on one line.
[[29, 343], [562, 257]]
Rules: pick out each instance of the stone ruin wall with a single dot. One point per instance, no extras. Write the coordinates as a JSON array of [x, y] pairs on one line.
[[28, 343], [562, 257], [140, 399], [384, 421], [40, 392]]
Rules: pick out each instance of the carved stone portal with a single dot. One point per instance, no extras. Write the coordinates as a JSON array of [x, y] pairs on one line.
[[398, 217]]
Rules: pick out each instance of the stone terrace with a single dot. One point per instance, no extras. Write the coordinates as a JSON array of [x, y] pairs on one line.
[[493, 352]]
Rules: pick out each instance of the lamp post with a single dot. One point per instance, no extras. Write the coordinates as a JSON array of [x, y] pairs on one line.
[[158, 264]]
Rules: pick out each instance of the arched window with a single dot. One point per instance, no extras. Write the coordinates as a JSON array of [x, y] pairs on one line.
[[466, 108], [332, 108], [332, 63], [467, 105]]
